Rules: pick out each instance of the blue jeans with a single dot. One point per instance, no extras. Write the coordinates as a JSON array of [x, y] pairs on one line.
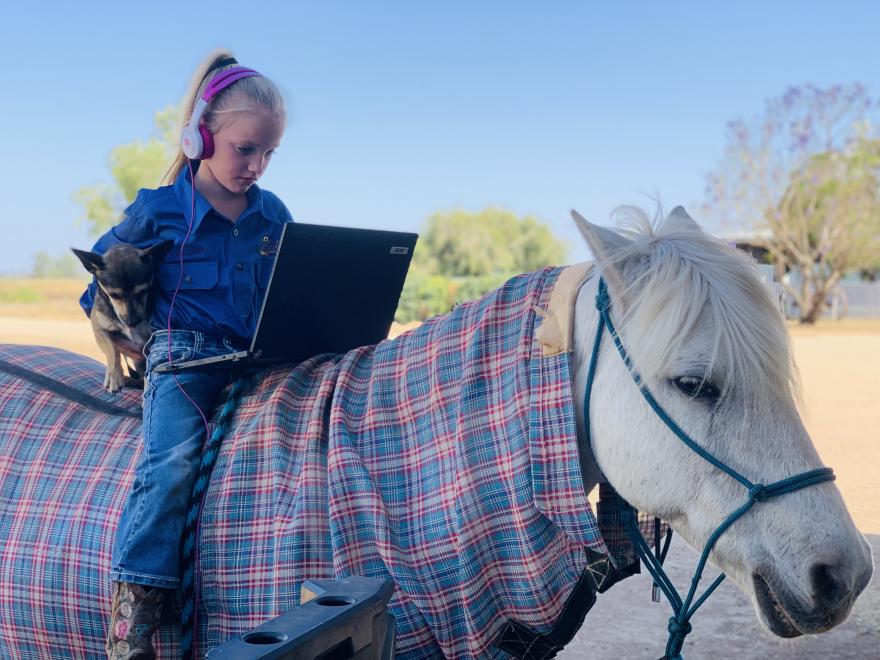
[[147, 544]]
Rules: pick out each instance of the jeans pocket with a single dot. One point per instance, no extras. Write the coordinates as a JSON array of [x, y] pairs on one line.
[[160, 354]]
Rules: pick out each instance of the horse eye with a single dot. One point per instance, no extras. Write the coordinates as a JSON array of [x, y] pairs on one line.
[[695, 387]]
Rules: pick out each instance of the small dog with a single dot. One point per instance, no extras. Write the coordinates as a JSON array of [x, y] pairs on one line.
[[123, 306]]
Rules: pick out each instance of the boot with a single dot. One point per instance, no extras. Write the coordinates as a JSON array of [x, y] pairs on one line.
[[134, 617]]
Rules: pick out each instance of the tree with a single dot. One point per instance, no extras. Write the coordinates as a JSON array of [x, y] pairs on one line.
[[807, 171], [489, 242], [133, 166], [828, 223], [462, 255]]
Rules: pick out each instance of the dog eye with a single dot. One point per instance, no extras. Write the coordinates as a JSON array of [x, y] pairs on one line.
[[695, 387]]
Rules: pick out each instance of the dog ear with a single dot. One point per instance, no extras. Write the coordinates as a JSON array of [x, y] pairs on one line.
[[93, 262], [156, 253]]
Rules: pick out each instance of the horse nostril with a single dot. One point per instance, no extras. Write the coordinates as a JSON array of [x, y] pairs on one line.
[[829, 588]]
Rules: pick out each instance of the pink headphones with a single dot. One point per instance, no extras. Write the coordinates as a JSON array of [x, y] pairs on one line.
[[196, 140]]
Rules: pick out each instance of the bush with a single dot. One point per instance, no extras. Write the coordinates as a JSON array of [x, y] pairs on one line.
[[425, 296], [14, 292]]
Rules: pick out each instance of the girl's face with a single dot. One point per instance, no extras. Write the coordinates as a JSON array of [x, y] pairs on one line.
[[243, 149]]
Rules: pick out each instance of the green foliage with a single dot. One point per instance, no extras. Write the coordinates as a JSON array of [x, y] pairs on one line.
[[836, 201], [464, 244], [168, 122], [64, 266], [20, 294], [102, 207], [425, 296], [463, 255], [139, 164]]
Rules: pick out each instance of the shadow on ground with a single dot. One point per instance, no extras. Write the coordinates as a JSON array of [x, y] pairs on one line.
[[624, 623]]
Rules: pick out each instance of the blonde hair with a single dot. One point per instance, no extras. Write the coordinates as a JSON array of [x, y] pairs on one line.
[[245, 95]]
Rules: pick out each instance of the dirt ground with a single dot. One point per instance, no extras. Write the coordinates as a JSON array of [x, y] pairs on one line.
[[839, 365]]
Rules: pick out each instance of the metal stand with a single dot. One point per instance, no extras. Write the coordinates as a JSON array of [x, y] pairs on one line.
[[336, 621]]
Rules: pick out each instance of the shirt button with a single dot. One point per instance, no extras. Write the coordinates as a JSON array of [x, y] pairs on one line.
[[188, 279], [265, 239], [235, 232], [239, 265]]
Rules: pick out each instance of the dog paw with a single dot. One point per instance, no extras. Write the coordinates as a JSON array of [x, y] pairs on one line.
[[113, 382]]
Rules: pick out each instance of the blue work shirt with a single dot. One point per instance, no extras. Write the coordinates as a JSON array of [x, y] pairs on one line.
[[226, 265]]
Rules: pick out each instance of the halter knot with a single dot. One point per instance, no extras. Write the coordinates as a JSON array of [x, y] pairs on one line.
[[677, 632], [678, 629], [759, 492]]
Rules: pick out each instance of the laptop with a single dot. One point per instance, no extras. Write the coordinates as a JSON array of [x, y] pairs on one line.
[[332, 289]]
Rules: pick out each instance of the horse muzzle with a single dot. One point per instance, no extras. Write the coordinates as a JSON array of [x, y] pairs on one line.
[[833, 587]]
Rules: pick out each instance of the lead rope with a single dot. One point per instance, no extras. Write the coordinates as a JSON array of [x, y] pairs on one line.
[[188, 544], [659, 555], [679, 624]]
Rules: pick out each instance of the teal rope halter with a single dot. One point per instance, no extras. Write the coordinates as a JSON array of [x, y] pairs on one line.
[[679, 624]]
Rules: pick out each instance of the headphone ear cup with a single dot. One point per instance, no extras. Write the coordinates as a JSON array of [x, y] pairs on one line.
[[191, 143], [207, 142]]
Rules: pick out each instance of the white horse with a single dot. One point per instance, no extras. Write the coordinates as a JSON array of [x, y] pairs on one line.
[[705, 336]]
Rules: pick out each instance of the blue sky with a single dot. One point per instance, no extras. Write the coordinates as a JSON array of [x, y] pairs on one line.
[[401, 109]]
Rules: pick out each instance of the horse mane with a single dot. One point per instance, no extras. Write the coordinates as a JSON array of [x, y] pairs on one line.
[[674, 273]]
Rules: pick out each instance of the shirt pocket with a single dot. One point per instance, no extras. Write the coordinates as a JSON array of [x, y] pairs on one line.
[[196, 275]]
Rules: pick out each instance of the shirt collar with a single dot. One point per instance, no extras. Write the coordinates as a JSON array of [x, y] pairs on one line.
[[183, 189]]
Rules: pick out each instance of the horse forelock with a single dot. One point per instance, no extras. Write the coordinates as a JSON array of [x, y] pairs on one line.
[[678, 280]]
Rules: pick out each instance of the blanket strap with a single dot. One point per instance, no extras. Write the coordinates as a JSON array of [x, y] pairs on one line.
[[68, 392], [525, 643]]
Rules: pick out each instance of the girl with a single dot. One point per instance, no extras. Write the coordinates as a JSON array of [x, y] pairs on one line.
[[209, 293]]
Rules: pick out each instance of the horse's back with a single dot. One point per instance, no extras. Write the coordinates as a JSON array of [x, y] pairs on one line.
[[67, 455]]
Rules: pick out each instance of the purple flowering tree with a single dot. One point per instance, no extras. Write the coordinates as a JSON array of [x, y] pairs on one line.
[[804, 176]]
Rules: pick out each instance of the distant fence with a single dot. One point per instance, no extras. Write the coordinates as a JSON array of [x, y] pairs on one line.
[[863, 299], [855, 300]]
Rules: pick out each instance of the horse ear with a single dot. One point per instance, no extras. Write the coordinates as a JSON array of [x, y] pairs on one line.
[[92, 262], [682, 219], [603, 243]]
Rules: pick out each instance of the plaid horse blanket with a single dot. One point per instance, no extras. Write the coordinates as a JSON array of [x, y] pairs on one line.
[[445, 459]]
